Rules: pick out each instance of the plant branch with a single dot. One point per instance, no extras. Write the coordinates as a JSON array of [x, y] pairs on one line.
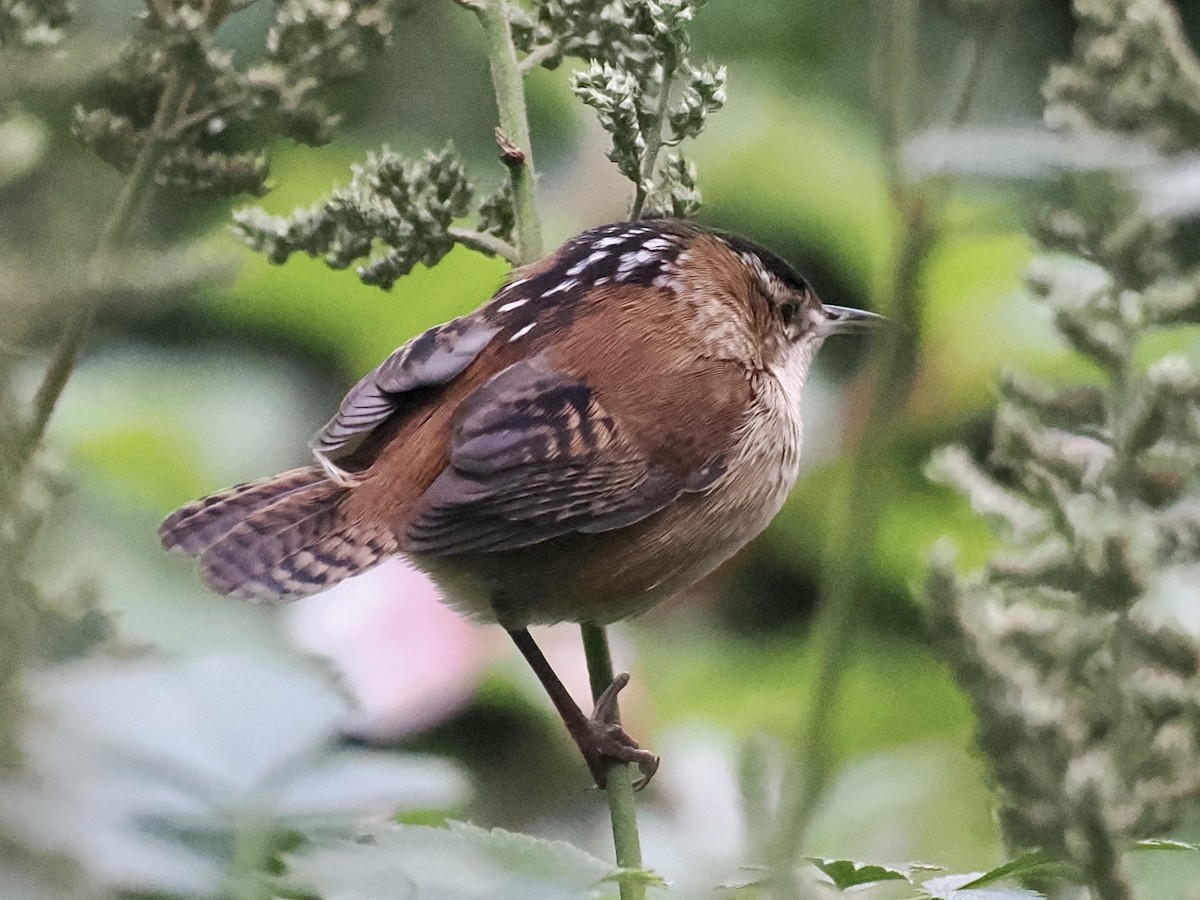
[[513, 137], [514, 124], [482, 242], [112, 235], [1176, 40], [654, 136], [902, 69], [539, 55], [620, 776], [977, 49], [861, 497]]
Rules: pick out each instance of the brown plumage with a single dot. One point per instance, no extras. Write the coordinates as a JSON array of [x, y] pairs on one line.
[[617, 420]]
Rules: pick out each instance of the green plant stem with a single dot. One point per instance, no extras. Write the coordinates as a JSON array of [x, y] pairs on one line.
[[621, 806], [860, 499], [859, 502], [654, 137], [902, 71], [514, 124], [514, 127], [251, 853], [854, 525], [482, 242], [112, 235], [539, 55]]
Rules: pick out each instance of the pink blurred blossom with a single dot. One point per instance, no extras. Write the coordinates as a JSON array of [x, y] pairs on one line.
[[408, 660]]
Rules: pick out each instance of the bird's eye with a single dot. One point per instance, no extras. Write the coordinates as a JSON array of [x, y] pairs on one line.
[[790, 313]]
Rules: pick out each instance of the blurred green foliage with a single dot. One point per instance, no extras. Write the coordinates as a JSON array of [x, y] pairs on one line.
[[223, 381]]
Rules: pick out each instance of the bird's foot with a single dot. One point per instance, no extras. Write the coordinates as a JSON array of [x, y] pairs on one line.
[[602, 739]]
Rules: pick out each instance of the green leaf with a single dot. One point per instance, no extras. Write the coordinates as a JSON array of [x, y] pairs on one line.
[[755, 876], [352, 780], [1165, 844], [1022, 865], [644, 877], [848, 873], [31, 881], [955, 887], [129, 758], [465, 862]]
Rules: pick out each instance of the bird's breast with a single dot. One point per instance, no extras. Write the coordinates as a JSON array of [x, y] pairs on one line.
[[767, 459]]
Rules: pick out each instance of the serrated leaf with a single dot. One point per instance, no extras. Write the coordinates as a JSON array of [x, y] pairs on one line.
[[418, 862], [644, 877], [1029, 862], [954, 887], [848, 873], [1165, 844], [756, 875], [126, 757], [354, 780]]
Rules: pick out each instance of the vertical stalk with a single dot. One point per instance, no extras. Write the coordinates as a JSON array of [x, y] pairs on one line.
[[246, 879], [518, 154], [514, 124], [654, 136], [22, 447], [112, 234], [851, 543], [621, 807], [860, 499]]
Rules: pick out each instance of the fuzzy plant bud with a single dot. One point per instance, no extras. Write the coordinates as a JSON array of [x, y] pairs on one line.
[[613, 93], [394, 214], [1132, 71], [30, 24], [641, 81], [191, 96], [1077, 642]]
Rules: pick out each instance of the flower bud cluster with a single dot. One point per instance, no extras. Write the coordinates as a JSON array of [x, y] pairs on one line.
[[641, 81], [394, 213], [176, 91], [1079, 642], [32, 23], [1131, 72]]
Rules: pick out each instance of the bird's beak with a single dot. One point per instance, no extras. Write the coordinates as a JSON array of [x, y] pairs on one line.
[[842, 319]]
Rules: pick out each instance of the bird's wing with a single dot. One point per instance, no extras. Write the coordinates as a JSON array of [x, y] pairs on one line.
[[429, 360], [535, 455]]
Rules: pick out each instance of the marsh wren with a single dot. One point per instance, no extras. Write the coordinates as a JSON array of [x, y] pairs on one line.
[[620, 418]]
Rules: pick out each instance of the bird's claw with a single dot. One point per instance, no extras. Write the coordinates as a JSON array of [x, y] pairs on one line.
[[606, 740]]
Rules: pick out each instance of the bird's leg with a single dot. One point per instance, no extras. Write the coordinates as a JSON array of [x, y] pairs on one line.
[[599, 737]]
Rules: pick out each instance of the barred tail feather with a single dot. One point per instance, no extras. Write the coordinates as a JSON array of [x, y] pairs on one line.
[[276, 539], [192, 529]]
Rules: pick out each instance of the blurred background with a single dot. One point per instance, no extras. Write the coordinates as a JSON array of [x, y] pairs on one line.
[[185, 391]]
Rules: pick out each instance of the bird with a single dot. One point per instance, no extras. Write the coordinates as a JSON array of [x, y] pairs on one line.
[[619, 418]]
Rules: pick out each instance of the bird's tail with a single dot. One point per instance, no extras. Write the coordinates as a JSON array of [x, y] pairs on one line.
[[276, 539]]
